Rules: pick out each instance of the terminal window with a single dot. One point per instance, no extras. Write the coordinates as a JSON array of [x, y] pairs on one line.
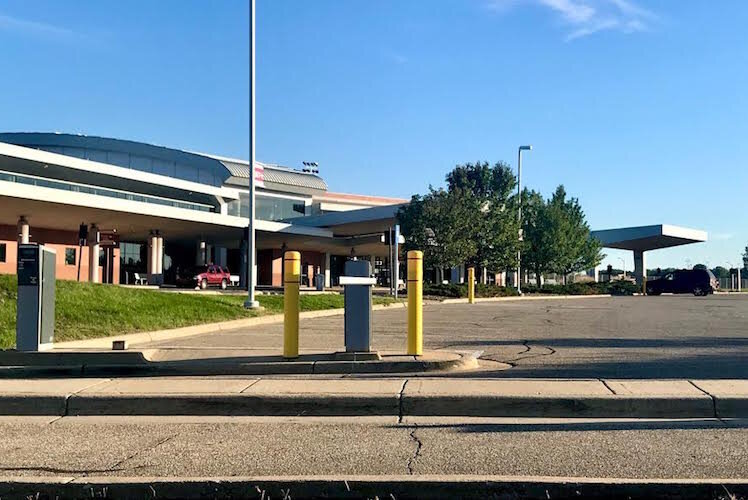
[[70, 256], [3, 249]]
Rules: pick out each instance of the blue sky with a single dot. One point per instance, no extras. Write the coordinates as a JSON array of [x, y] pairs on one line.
[[640, 109]]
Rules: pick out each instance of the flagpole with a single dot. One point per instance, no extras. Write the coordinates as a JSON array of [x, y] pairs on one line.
[[251, 303]]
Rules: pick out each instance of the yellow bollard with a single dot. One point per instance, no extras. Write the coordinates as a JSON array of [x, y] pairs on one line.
[[291, 279], [415, 303], [471, 285]]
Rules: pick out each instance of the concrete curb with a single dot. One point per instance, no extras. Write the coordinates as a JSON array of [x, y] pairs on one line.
[[619, 406], [356, 404], [189, 331], [135, 364], [525, 297], [233, 404], [433, 487]]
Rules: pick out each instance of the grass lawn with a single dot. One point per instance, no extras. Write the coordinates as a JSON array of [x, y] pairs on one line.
[[85, 310]]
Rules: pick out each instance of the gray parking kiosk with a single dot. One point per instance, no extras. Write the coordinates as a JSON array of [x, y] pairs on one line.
[[358, 312], [35, 316]]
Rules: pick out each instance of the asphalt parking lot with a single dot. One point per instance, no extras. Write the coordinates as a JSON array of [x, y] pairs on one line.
[[612, 337]]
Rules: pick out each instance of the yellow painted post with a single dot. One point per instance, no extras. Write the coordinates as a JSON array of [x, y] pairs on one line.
[[471, 285], [415, 303], [291, 279]]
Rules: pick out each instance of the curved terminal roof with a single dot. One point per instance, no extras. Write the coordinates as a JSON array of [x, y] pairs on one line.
[[197, 167], [644, 238]]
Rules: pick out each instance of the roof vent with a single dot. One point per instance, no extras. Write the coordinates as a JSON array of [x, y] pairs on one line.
[[311, 167]]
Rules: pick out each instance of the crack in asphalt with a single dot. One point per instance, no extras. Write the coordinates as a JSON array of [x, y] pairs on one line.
[[118, 466], [400, 402], [419, 446], [714, 401], [527, 349]]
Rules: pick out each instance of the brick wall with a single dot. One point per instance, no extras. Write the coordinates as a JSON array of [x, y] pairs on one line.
[[60, 241]]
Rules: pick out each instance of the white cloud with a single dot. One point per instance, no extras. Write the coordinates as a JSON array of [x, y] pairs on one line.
[[586, 17], [23, 26], [572, 11]]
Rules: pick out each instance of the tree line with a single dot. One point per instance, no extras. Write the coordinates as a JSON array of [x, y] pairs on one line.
[[474, 220]]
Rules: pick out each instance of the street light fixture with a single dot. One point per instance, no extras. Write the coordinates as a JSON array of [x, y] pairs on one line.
[[519, 213], [251, 302]]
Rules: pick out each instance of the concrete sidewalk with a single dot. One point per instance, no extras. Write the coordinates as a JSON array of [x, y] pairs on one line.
[[400, 397]]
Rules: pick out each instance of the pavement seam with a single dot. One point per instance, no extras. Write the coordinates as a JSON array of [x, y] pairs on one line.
[[59, 417], [250, 385], [66, 409], [400, 402], [714, 401], [605, 383]]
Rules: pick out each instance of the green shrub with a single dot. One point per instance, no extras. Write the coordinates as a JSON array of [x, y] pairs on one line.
[[585, 288], [622, 287], [449, 290], [452, 290], [493, 291]]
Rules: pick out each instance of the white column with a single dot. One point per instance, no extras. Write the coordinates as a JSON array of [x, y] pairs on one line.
[[484, 276], [640, 267], [327, 269], [23, 230], [200, 258], [153, 259], [159, 254], [93, 254]]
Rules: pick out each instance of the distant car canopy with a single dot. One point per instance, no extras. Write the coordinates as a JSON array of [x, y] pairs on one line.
[[645, 238]]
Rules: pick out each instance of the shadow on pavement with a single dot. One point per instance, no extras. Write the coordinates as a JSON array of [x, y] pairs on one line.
[[717, 366], [627, 343], [616, 425]]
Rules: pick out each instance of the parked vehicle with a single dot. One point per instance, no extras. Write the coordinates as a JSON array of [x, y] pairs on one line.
[[699, 282], [206, 276]]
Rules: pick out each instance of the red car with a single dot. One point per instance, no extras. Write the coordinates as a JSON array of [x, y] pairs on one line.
[[212, 276]]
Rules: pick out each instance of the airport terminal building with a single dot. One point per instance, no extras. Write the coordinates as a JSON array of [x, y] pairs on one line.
[[154, 214], [159, 212]]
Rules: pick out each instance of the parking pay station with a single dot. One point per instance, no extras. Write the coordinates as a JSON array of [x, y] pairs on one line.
[[358, 310], [35, 316]]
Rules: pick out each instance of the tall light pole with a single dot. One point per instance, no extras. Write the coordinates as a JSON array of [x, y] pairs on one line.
[[623, 266], [251, 303], [519, 213]]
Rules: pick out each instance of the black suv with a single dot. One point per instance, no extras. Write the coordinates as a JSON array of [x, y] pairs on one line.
[[699, 282]]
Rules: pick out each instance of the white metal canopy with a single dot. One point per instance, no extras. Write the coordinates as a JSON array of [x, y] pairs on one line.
[[645, 238]]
